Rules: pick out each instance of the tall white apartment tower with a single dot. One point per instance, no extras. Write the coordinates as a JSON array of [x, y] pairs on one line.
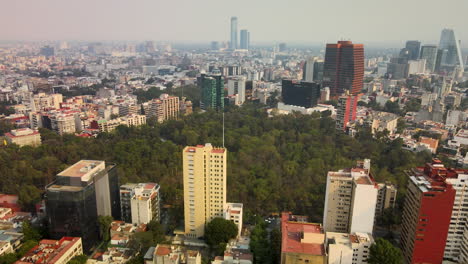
[[350, 200], [204, 186]]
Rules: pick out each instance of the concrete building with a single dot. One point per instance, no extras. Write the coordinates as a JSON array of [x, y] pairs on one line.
[[80, 194], [386, 198], [129, 120], [346, 111], [234, 212], [308, 71], [302, 242], [350, 200], [65, 123], [236, 86], [53, 251], [24, 137], [382, 121], [427, 214], [172, 254], [204, 170], [345, 248], [140, 202], [164, 108], [416, 67]]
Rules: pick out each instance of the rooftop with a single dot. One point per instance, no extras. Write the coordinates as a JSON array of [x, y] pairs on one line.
[[301, 237], [83, 169], [49, 251]]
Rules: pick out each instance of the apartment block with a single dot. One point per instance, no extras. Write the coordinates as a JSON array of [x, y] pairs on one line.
[[24, 137], [350, 200], [164, 108], [53, 251], [345, 248], [129, 120], [234, 212], [204, 168], [140, 203], [386, 198], [427, 215], [302, 242]]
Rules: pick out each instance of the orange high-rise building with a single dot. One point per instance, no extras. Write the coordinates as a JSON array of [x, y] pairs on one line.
[[344, 68]]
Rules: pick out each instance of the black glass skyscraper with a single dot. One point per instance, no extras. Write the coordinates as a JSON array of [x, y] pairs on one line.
[[78, 196], [305, 94]]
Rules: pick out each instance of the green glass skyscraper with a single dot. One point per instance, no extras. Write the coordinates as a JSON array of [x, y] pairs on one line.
[[212, 91]]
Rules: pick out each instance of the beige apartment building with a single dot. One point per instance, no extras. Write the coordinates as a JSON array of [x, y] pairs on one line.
[[24, 137], [350, 200], [204, 169], [165, 108], [129, 120]]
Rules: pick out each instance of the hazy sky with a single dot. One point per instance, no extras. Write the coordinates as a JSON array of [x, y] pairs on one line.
[[311, 21]]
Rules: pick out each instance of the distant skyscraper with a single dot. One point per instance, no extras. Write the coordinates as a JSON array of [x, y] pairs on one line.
[[305, 94], [233, 44], [244, 39], [282, 47], [344, 68], [413, 47], [204, 168], [308, 71], [47, 51], [448, 41], [214, 45], [318, 70], [212, 91], [429, 53]]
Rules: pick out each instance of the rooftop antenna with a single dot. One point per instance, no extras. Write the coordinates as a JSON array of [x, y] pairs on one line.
[[223, 129]]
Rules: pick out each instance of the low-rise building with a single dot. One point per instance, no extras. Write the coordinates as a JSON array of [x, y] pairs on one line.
[[53, 251], [233, 212], [171, 254], [345, 248], [24, 137], [301, 240]]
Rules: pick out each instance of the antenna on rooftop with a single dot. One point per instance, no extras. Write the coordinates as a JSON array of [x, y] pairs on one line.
[[223, 129]]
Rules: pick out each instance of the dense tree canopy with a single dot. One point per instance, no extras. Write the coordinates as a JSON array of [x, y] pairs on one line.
[[220, 230], [274, 164], [383, 252]]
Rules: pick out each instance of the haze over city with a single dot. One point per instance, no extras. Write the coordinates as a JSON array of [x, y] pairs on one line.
[[299, 21]]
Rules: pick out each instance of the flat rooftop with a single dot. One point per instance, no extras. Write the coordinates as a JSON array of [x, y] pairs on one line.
[[83, 168], [293, 234]]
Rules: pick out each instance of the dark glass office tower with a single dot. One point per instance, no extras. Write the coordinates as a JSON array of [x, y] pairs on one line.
[[305, 94], [78, 196], [212, 91], [344, 68], [413, 47]]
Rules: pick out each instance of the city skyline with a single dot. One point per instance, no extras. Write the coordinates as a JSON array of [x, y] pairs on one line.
[[145, 20]]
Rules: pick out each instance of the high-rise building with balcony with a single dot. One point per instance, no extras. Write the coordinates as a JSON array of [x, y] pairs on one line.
[[204, 168], [140, 202], [350, 200], [344, 68], [164, 108], [432, 227], [346, 111]]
